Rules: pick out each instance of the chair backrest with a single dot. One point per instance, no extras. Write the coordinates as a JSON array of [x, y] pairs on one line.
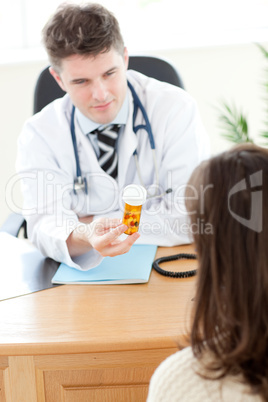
[[157, 68], [47, 90]]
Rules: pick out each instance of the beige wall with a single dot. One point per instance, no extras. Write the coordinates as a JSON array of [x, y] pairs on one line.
[[233, 73]]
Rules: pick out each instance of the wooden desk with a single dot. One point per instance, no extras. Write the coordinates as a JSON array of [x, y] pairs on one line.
[[80, 343]]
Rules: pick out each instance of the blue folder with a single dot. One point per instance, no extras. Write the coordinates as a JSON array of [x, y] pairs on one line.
[[132, 267]]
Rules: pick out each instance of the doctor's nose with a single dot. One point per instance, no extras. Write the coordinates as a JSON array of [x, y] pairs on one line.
[[99, 91]]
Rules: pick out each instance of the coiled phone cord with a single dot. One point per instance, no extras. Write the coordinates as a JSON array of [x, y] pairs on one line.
[[181, 256]]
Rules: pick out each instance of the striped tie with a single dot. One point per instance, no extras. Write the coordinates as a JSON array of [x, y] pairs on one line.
[[107, 141]]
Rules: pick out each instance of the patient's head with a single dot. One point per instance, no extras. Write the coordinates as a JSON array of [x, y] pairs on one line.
[[227, 195], [231, 310]]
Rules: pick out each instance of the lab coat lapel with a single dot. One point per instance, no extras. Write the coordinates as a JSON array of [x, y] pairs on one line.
[[127, 145]]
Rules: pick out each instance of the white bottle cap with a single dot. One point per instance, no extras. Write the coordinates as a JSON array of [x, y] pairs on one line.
[[134, 195]]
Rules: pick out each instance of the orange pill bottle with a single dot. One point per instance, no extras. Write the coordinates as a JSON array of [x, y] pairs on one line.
[[134, 197]]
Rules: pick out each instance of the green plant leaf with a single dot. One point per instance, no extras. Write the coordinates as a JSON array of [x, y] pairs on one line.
[[263, 50], [233, 124]]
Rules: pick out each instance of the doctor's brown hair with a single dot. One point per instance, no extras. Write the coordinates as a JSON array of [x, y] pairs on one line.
[[87, 30], [230, 318]]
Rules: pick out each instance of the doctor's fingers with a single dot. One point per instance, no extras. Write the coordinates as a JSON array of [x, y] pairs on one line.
[[120, 247], [102, 240], [110, 245], [104, 225]]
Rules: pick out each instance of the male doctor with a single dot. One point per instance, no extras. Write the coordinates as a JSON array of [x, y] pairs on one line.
[[89, 61]]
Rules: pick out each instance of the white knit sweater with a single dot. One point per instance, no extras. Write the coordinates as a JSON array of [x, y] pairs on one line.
[[176, 380]]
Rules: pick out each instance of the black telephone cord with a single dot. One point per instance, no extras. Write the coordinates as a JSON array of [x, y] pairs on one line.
[[181, 256]]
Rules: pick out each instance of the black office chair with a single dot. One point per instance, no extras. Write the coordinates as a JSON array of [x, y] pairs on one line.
[[47, 90], [157, 68]]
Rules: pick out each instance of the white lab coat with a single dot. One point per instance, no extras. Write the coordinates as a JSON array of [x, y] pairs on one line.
[[47, 167]]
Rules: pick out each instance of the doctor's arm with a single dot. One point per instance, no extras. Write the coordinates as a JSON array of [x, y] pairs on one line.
[[102, 235], [52, 225]]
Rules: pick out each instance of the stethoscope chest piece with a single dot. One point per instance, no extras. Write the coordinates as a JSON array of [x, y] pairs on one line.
[[80, 183]]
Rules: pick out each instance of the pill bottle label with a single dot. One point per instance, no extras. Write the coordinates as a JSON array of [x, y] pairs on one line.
[[131, 218]]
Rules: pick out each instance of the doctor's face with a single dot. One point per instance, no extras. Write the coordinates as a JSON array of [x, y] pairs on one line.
[[96, 85]]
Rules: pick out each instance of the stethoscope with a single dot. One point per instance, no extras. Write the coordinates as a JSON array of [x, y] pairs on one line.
[[80, 183]]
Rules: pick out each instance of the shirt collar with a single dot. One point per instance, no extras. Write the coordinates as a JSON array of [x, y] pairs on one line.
[[87, 125]]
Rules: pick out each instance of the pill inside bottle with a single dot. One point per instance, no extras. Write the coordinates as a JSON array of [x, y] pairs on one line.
[[134, 197]]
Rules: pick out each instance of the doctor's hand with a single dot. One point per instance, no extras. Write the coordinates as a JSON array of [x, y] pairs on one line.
[[105, 237], [102, 235]]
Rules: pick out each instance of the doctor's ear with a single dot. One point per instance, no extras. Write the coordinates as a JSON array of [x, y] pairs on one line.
[[126, 58], [56, 76]]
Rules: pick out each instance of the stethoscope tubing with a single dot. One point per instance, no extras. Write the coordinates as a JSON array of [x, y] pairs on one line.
[[147, 126], [76, 156]]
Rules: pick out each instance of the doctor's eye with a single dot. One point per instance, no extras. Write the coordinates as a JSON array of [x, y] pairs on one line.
[[79, 82], [109, 73]]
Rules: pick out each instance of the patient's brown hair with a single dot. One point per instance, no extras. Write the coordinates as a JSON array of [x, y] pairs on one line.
[[231, 305]]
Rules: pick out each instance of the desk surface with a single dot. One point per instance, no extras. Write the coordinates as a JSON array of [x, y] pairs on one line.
[[86, 318]]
